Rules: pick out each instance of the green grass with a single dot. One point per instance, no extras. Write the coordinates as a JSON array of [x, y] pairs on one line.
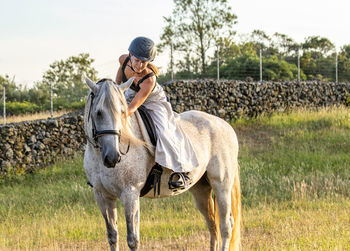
[[297, 155], [54, 206], [295, 180], [301, 224]]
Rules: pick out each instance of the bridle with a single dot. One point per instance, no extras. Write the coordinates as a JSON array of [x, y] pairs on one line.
[[99, 133]]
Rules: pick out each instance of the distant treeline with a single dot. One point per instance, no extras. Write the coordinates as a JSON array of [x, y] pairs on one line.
[[197, 32], [240, 60], [195, 35], [64, 77], [237, 60]]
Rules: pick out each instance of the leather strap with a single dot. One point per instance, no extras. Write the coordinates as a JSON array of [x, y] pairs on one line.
[[149, 124], [153, 181]]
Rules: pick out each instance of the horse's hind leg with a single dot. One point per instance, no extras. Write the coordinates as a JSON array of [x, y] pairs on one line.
[[201, 192], [223, 197], [109, 212]]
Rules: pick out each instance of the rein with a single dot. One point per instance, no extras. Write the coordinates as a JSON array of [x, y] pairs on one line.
[[99, 133]]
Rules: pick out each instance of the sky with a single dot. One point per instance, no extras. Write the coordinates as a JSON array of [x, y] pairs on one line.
[[35, 33]]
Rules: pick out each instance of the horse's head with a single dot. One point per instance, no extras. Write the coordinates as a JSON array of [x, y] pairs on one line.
[[105, 118]]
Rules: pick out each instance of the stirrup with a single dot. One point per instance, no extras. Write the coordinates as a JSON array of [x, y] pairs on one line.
[[178, 184]]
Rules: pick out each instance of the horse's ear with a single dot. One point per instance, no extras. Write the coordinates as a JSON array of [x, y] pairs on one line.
[[123, 87], [91, 84]]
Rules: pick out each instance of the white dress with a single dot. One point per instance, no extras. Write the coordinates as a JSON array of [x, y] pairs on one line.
[[174, 149]]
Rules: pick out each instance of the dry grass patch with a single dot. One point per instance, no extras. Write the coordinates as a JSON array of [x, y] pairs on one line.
[[34, 116]]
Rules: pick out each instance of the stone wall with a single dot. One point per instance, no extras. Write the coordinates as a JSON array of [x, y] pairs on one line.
[[232, 99], [29, 145]]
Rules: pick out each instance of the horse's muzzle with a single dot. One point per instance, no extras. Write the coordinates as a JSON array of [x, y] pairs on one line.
[[110, 158]]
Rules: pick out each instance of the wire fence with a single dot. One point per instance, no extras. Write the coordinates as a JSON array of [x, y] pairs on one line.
[[299, 68], [3, 99], [329, 69], [302, 65]]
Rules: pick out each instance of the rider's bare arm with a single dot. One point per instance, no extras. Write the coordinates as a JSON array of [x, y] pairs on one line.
[[145, 89], [119, 78]]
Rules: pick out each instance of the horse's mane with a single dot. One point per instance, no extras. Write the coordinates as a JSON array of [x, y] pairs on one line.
[[112, 98]]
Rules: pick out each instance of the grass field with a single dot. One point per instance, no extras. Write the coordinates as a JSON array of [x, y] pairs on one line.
[[33, 116], [295, 180]]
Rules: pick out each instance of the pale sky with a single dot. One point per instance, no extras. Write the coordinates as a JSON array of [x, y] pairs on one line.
[[35, 33]]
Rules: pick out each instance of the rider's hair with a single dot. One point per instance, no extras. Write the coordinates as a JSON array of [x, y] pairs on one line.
[[153, 68]]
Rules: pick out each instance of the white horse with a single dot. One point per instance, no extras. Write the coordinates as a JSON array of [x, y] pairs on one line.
[[117, 161]]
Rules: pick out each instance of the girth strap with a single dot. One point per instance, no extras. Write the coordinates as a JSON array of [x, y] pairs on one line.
[[153, 181]]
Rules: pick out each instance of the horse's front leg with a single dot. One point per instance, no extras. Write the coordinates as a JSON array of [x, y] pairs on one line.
[[130, 200], [109, 211]]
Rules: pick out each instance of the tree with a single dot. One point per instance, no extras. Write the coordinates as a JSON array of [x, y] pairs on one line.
[[198, 24], [321, 46], [245, 66], [318, 59], [168, 38], [65, 78], [344, 63], [13, 91], [285, 45], [228, 49], [260, 38], [40, 95], [262, 41]]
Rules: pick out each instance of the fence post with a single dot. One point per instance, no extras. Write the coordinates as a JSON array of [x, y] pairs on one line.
[[260, 65], [336, 67], [171, 61], [4, 104], [298, 65], [51, 102], [217, 64]]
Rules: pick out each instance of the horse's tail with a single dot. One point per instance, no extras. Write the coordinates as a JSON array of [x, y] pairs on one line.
[[235, 242], [236, 207], [217, 219]]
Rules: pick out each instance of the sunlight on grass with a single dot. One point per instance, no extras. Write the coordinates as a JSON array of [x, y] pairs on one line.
[[295, 180], [298, 225], [34, 116], [312, 119]]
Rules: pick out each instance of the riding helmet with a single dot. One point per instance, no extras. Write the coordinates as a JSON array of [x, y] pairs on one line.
[[143, 48]]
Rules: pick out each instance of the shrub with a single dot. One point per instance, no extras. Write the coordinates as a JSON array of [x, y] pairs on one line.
[[15, 108]]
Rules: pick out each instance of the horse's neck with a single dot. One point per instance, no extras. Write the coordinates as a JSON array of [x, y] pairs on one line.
[[135, 127]]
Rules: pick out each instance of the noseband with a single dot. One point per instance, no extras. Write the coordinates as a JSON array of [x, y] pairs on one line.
[[99, 133]]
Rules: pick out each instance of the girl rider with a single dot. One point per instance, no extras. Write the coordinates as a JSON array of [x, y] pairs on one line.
[[173, 149]]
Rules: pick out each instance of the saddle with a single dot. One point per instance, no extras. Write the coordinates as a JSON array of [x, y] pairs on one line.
[[149, 124], [153, 178]]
